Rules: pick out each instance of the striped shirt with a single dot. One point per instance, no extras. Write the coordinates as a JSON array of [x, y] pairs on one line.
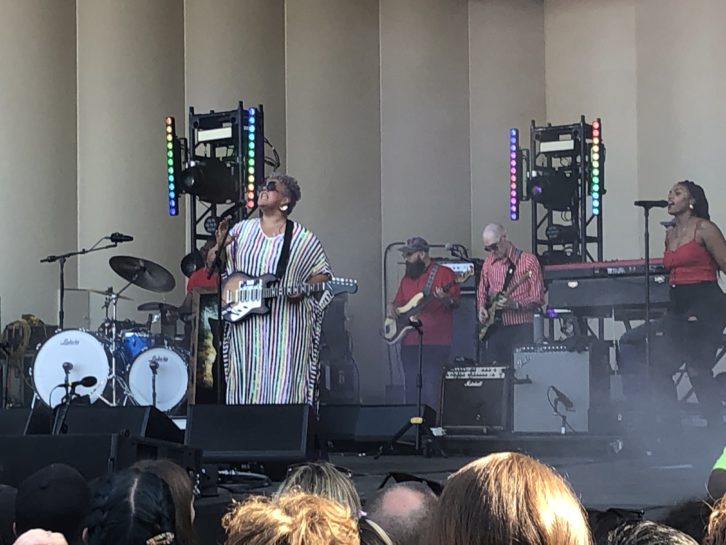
[[273, 357], [529, 293]]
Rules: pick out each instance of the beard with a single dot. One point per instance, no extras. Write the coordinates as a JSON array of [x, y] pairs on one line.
[[415, 269]]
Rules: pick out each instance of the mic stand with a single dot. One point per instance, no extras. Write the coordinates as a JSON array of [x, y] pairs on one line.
[[61, 259], [563, 418], [61, 411], [418, 421], [218, 265], [646, 239]]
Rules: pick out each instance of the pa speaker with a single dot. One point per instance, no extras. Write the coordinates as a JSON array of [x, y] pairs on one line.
[[343, 424], [146, 422], [252, 433]]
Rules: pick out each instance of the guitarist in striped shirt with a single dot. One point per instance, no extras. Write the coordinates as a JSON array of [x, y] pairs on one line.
[[510, 285]]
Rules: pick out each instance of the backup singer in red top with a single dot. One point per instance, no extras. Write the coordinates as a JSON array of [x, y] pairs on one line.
[[517, 309], [695, 251]]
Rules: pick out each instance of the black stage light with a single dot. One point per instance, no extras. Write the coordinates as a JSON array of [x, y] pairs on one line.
[[556, 190], [210, 180], [562, 234]]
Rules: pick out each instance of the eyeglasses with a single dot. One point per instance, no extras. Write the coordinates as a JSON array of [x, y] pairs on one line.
[[270, 186], [492, 247]]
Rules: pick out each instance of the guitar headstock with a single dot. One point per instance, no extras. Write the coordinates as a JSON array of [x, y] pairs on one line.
[[464, 276], [342, 285]]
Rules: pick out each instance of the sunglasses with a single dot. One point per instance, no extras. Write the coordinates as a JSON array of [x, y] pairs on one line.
[[492, 247], [269, 186]]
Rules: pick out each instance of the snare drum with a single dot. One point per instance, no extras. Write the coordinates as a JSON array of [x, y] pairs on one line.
[[88, 356], [133, 342], [172, 378]]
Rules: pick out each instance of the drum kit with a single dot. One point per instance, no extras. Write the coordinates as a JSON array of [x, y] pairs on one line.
[[123, 362]]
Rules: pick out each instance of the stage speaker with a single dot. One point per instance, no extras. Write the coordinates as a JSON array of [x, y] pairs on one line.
[[464, 328], [146, 422], [14, 420], [359, 424], [92, 455], [252, 433], [475, 399], [550, 382]]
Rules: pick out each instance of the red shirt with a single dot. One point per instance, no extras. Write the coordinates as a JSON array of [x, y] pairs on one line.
[[530, 292], [437, 316], [690, 263], [198, 279]]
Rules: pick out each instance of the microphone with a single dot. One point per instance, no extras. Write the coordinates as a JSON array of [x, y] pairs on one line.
[[67, 366], [652, 204], [154, 366], [120, 237], [86, 382], [562, 398]]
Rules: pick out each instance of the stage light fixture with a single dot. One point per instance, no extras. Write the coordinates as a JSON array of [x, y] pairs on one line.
[[561, 234], [595, 188], [556, 190], [251, 134], [173, 165], [210, 180], [515, 174]]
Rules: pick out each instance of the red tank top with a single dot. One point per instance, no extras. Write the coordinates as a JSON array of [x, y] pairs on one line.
[[690, 263]]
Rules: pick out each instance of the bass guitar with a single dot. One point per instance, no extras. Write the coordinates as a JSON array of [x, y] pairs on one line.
[[494, 313], [394, 328], [244, 295]]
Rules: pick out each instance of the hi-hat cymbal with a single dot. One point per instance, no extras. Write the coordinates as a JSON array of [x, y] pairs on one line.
[[157, 306], [143, 273], [106, 292]]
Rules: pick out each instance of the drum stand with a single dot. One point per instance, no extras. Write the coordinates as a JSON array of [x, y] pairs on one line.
[[114, 379]]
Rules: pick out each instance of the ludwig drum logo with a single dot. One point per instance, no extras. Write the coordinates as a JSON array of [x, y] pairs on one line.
[[70, 342]]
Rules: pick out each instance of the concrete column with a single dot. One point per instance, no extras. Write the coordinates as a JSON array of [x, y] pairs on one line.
[[130, 75], [333, 147], [38, 153]]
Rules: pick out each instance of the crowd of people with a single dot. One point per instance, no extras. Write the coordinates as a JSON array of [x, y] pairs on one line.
[[504, 498]]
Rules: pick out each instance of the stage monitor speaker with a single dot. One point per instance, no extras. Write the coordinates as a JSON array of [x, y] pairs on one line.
[[13, 420], [252, 433], [549, 376], [360, 424], [146, 422], [92, 455]]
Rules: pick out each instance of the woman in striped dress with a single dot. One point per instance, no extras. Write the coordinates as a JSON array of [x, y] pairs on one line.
[[273, 357]]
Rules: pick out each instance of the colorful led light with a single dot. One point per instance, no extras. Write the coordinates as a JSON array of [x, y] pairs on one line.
[[595, 194], [172, 167], [251, 133], [514, 166]]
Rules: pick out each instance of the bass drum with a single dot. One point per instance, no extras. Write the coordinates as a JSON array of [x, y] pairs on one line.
[[172, 378], [88, 357]]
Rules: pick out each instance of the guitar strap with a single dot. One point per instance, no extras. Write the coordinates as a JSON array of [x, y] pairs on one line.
[[510, 271], [430, 280], [285, 253]]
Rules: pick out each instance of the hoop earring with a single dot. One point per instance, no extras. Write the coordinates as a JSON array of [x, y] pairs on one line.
[[283, 208]]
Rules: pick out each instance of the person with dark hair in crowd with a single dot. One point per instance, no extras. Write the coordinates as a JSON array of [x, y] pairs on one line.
[[273, 357], [423, 275], [506, 497], [131, 507], [323, 479], [695, 252], [182, 492], [690, 517], [401, 510], [647, 532], [7, 514], [54, 498]]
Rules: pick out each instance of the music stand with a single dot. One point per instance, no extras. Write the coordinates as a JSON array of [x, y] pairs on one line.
[[418, 421]]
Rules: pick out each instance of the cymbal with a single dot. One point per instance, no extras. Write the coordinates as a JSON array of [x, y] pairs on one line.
[[143, 273], [105, 292], [157, 306]]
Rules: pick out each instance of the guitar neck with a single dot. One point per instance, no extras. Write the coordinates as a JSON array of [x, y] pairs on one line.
[[297, 289]]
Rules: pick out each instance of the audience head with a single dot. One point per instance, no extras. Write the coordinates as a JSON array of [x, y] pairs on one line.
[[290, 519], [507, 498], [371, 533], [131, 507], [182, 492], [325, 480], [647, 532], [401, 510], [690, 517], [7, 514], [54, 498], [716, 531]]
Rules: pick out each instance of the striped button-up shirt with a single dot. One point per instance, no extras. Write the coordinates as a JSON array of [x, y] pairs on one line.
[[529, 294]]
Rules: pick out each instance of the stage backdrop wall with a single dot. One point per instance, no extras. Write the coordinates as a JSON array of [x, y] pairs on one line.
[[393, 114]]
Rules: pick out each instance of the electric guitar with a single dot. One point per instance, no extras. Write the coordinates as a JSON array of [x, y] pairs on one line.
[[494, 313], [394, 328], [243, 295]]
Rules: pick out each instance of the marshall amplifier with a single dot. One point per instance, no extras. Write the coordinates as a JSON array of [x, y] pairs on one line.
[[475, 400]]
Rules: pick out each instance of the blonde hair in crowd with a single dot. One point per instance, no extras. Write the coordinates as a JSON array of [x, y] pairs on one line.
[[507, 498], [716, 531], [291, 519], [325, 480]]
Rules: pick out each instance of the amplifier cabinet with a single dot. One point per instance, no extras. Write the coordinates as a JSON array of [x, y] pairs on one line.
[[548, 377], [475, 399]]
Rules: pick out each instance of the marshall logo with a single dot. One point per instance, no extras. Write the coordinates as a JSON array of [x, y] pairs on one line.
[[70, 342], [473, 383]]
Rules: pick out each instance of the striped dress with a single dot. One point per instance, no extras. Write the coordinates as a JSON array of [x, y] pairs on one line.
[[273, 357]]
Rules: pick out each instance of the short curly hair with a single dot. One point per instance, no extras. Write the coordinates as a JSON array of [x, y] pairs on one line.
[[290, 186], [291, 519]]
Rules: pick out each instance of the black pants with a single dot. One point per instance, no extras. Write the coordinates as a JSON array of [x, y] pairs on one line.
[[435, 358], [502, 340], [690, 333]]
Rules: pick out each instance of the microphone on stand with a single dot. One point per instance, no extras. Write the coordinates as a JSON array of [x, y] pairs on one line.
[[562, 398], [120, 237], [86, 382], [652, 204]]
